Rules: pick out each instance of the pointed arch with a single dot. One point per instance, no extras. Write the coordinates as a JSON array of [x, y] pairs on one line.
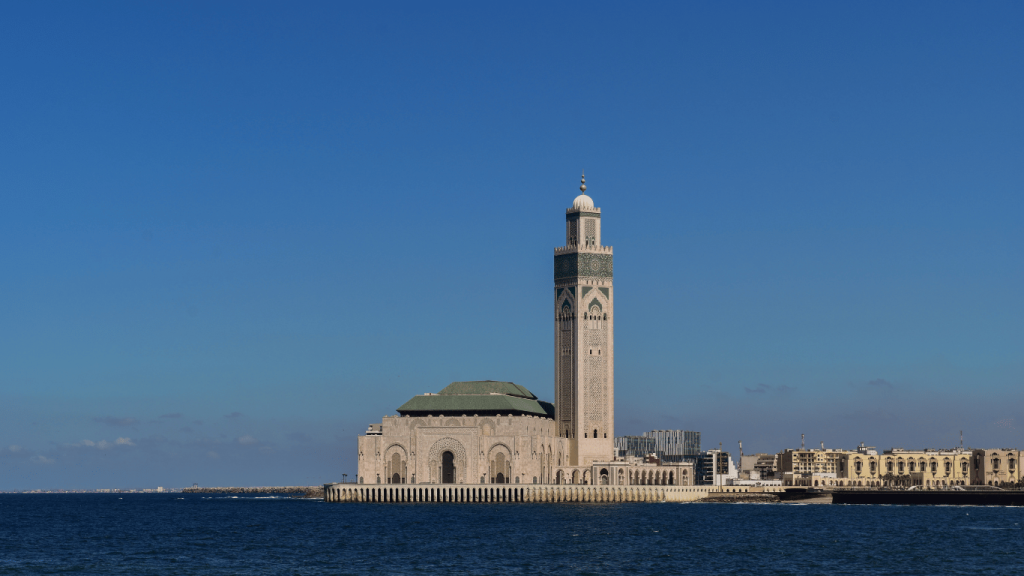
[[447, 444]]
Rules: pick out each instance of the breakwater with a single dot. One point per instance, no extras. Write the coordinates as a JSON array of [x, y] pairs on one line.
[[293, 491], [742, 498], [930, 497]]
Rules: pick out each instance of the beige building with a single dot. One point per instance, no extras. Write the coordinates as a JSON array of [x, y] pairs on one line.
[[995, 467], [928, 468], [865, 468], [489, 432], [810, 467]]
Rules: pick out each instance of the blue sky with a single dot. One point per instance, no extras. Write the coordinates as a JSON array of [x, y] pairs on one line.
[[234, 234]]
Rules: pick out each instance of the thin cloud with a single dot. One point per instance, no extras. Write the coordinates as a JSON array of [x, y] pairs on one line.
[[42, 460], [880, 383], [102, 444], [246, 440], [112, 421], [233, 415], [765, 388], [175, 415], [12, 451]]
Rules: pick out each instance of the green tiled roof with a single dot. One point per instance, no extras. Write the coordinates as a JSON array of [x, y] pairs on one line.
[[481, 397], [487, 387]]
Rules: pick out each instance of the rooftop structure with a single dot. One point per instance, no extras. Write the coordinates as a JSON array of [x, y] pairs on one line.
[[478, 398]]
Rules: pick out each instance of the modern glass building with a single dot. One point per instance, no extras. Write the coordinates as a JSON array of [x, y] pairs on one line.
[[638, 446], [667, 445], [675, 445]]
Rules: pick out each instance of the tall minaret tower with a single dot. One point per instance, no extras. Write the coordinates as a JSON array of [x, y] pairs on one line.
[[584, 336]]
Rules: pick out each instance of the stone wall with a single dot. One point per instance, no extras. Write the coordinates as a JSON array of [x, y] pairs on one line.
[[528, 446], [485, 493]]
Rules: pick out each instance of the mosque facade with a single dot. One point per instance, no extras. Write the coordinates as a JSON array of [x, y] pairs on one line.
[[492, 432]]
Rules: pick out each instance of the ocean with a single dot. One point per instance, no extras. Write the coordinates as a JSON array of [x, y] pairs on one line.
[[170, 534]]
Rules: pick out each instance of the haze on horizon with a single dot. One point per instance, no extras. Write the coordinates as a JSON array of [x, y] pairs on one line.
[[234, 234]]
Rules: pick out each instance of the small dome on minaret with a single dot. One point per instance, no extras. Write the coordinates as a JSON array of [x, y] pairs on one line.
[[582, 201]]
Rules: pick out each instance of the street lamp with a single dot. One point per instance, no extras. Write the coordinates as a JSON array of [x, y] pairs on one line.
[[344, 478]]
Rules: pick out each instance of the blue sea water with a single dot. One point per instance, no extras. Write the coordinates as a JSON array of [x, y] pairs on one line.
[[196, 534]]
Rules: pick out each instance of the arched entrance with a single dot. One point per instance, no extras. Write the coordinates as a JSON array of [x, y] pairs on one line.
[[604, 476], [500, 478], [396, 479], [447, 468]]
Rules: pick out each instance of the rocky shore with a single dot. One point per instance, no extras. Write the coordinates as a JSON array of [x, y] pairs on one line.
[[293, 491], [741, 498]]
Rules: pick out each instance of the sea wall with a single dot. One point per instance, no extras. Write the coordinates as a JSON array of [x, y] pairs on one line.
[[472, 493]]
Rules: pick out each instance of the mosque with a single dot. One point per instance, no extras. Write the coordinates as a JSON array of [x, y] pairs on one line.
[[490, 432]]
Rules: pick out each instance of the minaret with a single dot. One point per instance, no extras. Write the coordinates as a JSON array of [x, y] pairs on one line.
[[584, 336]]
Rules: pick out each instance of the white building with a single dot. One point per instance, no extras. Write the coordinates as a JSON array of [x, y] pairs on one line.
[[490, 432]]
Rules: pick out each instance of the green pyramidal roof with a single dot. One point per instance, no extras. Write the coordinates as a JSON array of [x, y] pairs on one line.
[[483, 398]]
